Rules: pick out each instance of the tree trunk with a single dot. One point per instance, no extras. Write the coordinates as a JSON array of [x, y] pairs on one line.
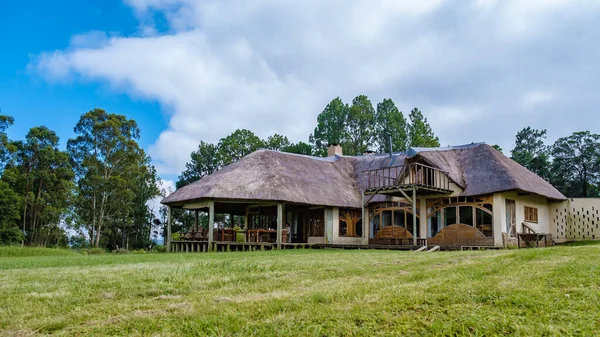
[[24, 221], [34, 210], [26, 201], [97, 243]]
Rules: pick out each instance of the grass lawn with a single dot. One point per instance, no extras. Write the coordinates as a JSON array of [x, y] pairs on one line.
[[547, 291]]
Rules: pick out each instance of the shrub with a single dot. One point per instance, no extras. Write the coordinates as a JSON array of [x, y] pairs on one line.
[[160, 249], [95, 251], [240, 237], [120, 251], [176, 236], [139, 251], [13, 251]]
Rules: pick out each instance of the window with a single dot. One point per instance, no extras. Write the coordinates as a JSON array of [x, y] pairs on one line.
[[445, 212], [435, 223], [531, 214], [359, 228], [388, 214], [386, 218], [409, 224], [315, 222], [375, 224], [465, 215], [343, 231], [484, 222], [399, 218], [350, 223], [449, 216]]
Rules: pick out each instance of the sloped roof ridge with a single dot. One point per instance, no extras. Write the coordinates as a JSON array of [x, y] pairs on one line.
[[413, 151], [329, 159]]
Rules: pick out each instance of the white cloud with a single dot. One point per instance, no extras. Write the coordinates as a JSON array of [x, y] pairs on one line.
[[271, 66], [167, 187], [534, 99], [91, 39]]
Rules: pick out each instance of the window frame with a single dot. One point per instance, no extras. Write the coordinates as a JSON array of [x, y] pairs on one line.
[[531, 214]]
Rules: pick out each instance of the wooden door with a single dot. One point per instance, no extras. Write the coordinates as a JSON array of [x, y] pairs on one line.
[[511, 218]]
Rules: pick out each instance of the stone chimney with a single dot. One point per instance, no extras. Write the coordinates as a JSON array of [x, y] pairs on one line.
[[334, 150]]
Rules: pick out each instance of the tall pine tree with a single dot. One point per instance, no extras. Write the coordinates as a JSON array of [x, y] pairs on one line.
[[360, 126], [331, 126], [390, 121], [419, 131], [531, 152]]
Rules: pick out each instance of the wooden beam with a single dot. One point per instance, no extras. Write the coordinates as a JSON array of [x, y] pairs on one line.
[[370, 198], [195, 205], [211, 222], [414, 207], [410, 200], [279, 224], [366, 222], [169, 222]]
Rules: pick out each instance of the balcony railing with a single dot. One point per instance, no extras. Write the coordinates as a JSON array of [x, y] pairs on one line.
[[406, 177]]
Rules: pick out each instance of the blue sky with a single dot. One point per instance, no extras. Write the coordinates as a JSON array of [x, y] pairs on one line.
[[191, 70], [30, 27]]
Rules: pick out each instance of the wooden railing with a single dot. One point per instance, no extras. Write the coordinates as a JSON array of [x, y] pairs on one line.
[[406, 176]]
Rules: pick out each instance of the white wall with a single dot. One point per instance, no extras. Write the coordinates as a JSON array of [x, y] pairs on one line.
[[530, 200], [575, 219], [499, 217], [329, 223]]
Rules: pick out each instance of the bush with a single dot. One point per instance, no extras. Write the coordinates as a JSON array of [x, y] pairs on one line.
[[120, 251], [78, 242], [9, 234], [176, 236], [95, 251], [139, 251], [240, 237], [160, 249], [13, 251]]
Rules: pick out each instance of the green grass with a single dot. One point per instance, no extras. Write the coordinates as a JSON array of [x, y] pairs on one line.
[[14, 251], [528, 292]]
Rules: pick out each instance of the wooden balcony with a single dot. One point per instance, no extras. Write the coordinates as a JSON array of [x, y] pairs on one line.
[[397, 180]]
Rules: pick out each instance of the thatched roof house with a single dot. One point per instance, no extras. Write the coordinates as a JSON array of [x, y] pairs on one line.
[[474, 173], [337, 181]]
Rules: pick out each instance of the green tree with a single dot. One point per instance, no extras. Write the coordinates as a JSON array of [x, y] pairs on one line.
[[103, 153], [203, 161], [419, 131], [43, 177], [6, 146], [237, 145], [135, 230], [531, 152], [9, 215], [576, 165], [360, 126], [331, 126], [299, 148], [390, 121], [277, 142]]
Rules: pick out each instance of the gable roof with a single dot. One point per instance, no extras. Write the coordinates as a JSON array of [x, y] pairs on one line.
[[337, 181], [486, 170]]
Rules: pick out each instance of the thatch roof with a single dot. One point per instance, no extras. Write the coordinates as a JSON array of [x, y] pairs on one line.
[[337, 181], [278, 176]]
